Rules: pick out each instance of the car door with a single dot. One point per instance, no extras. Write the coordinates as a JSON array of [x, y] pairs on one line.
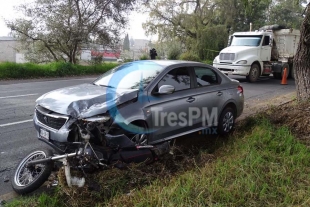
[[170, 111], [209, 96]]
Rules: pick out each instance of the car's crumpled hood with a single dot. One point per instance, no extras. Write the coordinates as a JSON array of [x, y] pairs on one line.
[[85, 100]]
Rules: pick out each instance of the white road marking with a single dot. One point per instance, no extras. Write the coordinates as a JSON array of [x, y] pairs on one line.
[[33, 94], [14, 123]]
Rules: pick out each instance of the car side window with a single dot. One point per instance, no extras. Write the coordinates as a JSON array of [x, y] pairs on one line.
[[179, 78], [205, 76]]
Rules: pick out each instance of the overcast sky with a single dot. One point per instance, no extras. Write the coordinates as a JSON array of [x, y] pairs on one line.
[[7, 12]]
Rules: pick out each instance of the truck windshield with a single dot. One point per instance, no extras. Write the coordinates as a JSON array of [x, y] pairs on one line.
[[246, 41]]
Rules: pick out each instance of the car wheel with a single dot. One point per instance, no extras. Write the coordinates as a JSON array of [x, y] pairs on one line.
[[27, 179], [136, 132], [226, 121], [254, 73]]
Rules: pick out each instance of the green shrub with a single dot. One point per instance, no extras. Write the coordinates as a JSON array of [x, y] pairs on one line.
[[174, 53], [209, 62], [189, 56], [10, 70], [144, 57]]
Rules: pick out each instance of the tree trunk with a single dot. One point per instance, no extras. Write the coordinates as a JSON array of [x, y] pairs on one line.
[[302, 60]]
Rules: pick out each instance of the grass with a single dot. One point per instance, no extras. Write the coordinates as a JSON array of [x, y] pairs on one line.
[[43, 200], [260, 165], [10, 70], [209, 62], [264, 167]]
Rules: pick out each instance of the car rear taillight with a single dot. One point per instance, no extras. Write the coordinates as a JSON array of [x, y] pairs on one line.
[[240, 89]]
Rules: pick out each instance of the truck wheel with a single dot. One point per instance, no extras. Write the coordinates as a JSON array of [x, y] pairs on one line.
[[277, 76], [254, 73], [291, 74]]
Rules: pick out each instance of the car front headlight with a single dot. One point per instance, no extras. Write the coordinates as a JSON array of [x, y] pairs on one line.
[[99, 118], [242, 62]]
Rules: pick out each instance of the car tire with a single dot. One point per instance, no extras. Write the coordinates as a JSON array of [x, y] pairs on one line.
[[134, 131], [46, 169], [226, 121], [254, 73]]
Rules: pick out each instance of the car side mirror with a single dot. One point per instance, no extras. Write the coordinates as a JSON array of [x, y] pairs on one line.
[[165, 89]]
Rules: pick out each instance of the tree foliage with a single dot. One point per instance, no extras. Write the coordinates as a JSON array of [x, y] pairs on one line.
[[203, 26], [57, 29]]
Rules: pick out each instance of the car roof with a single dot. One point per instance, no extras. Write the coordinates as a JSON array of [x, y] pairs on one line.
[[167, 63]]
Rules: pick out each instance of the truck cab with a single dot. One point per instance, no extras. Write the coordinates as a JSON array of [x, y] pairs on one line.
[[246, 54]]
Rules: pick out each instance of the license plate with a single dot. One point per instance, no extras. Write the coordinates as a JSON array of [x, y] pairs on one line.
[[44, 134]]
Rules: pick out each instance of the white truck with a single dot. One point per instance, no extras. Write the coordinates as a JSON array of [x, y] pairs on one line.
[[259, 53]]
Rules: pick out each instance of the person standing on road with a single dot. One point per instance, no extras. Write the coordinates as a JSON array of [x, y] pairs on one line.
[[153, 54]]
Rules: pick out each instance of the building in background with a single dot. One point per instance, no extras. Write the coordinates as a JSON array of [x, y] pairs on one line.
[[9, 51], [94, 51], [138, 48]]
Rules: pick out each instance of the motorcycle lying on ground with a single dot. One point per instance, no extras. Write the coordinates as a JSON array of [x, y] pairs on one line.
[[86, 155]]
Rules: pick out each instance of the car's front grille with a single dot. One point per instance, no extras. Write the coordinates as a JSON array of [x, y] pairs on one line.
[[50, 121], [227, 56]]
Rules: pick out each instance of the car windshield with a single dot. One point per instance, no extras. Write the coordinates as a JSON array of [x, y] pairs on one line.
[[246, 41], [133, 75]]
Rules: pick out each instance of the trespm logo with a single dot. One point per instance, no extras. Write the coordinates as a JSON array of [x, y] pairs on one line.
[[209, 131]]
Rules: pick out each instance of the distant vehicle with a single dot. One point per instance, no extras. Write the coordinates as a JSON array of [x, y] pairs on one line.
[[125, 114], [267, 51], [120, 60]]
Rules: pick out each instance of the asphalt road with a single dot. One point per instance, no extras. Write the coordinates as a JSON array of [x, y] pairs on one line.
[[17, 99]]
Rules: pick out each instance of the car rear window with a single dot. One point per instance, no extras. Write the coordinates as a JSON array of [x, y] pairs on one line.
[[205, 76]]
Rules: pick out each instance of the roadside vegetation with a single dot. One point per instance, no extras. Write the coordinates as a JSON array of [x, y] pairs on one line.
[[265, 162], [10, 70]]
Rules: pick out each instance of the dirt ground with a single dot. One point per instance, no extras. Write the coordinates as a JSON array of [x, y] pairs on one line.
[[295, 116]]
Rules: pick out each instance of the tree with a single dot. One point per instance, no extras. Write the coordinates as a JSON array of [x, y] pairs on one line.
[[302, 60], [59, 28], [203, 26], [126, 44], [286, 12]]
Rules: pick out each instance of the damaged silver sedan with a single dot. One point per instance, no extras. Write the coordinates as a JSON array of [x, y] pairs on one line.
[[129, 114]]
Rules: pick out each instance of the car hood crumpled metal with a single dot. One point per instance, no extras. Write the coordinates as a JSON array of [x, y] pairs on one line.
[[85, 100]]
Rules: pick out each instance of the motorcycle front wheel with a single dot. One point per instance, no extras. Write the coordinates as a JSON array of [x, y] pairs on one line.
[[28, 179]]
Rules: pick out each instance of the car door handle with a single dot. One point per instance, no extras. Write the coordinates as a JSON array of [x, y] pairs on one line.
[[219, 93], [190, 99]]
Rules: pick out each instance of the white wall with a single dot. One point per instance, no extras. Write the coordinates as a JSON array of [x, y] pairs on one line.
[[86, 55], [20, 58]]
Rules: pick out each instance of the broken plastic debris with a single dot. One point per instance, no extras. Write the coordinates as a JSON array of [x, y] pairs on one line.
[[78, 181]]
